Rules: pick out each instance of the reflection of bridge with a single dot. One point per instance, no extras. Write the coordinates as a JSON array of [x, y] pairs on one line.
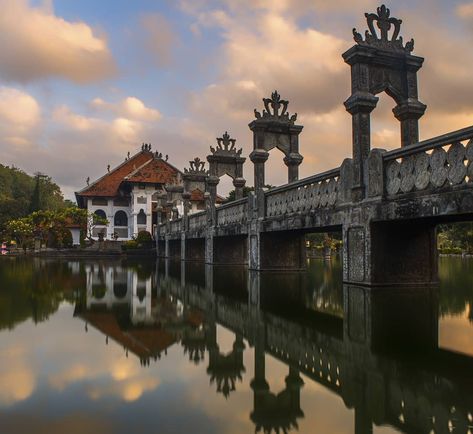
[[387, 204], [423, 394]]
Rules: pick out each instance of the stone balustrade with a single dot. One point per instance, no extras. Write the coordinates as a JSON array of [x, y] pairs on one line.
[[233, 213], [175, 226], [308, 194], [198, 220], [431, 165]]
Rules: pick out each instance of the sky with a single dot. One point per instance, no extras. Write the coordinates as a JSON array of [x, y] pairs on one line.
[[84, 82]]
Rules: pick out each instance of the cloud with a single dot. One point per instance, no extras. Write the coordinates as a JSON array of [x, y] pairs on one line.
[[130, 107], [158, 38], [17, 381], [38, 44], [20, 115]]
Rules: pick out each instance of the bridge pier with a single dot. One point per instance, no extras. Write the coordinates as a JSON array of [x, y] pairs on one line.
[[173, 248], [232, 250], [281, 250], [195, 249], [390, 254]]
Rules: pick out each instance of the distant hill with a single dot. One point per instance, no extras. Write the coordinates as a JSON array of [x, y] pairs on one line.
[[21, 194]]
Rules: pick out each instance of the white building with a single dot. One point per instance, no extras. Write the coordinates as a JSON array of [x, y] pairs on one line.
[[128, 195]]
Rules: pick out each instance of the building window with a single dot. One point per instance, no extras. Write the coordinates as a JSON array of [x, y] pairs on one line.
[[121, 219], [122, 201], [100, 201], [141, 218], [101, 214]]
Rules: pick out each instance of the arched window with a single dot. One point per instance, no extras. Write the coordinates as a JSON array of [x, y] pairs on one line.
[[101, 214], [120, 219], [141, 217]]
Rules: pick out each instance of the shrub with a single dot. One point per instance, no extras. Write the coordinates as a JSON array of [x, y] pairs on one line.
[[144, 237], [130, 245]]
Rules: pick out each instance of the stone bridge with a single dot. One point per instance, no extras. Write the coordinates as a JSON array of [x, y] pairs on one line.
[[348, 355], [386, 204]]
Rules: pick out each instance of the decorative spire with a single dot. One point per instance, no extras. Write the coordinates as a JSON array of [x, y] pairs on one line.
[[272, 106], [87, 180], [146, 147], [196, 166], [384, 22], [108, 168], [225, 146]]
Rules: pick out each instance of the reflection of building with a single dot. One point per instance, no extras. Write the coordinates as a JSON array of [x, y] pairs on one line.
[[119, 303]]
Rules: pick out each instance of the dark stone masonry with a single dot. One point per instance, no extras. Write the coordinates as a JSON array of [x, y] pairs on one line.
[[386, 204]]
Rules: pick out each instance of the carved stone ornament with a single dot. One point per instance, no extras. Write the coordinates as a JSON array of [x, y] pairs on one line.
[[384, 22], [197, 167], [225, 146], [275, 108]]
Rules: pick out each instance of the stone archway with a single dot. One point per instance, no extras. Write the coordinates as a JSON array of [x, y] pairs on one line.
[[225, 159], [381, 63]]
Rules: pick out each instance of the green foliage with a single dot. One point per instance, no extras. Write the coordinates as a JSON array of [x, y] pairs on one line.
[[246, 190], [130, 245], [21, 193], [455, 238], [51, 227], [144, 237]]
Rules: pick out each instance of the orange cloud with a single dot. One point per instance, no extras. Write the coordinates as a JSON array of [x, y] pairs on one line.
[[38, 44]]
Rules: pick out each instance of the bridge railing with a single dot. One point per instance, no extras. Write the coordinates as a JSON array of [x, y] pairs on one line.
[[233, 213], [197, 220], [175, 226], [442, 161], [312, 193]]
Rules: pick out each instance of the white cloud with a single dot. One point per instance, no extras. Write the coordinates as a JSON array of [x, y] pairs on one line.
[[130, 107], [38, 44]]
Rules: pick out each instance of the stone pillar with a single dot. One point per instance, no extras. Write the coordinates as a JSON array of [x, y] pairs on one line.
[[408, 113], [360, 105], [209, 246], [293, 161], [166, 246], [183, 246], [258, 158], [211, 183], [239, 183], [390, 253]]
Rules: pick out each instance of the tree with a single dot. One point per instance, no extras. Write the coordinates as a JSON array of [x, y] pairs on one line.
[[21, 230], [246, 190]]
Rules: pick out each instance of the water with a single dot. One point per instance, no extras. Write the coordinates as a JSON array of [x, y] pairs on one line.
[[119, 347]]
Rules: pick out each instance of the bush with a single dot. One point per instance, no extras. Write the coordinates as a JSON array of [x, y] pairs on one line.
[[130, 245], [144, 237]]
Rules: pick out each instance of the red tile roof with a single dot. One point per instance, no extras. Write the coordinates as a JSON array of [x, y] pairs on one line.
[[197, 195], [155, 171], [143, 167]]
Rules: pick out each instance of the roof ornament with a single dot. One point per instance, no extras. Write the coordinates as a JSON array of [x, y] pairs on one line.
[[166, 157], [146, 147], [87, 180], [128, 155], [197, 166], [108, 168], [225, 146], [271, 109], [384, 22], [158, 155]]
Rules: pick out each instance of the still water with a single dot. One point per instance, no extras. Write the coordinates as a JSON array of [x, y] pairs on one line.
[[120, 347]]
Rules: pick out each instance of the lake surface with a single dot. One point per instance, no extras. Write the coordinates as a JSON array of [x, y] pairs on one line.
[[140, 346]]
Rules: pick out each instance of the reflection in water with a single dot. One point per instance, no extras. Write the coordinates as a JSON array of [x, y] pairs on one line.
[[291, 338]]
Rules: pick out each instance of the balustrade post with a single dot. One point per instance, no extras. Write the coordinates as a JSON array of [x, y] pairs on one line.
[[258, 158]]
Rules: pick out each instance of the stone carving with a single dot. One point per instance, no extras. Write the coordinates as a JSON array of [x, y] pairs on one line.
[[235, 213], [384, 22], [271, 109], [225, 146], [307, 197], [197, 167], [434, 168]]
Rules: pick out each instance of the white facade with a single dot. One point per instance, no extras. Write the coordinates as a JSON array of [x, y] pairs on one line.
[[138, 214]]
